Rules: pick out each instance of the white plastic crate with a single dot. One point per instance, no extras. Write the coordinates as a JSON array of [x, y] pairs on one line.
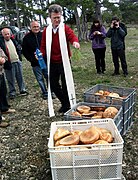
[[92, 162], [128, 101], [118, 119]]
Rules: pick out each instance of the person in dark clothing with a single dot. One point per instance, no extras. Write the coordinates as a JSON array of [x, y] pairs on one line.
[[31, 42], [4, 106], [117, 33], [97, 35]]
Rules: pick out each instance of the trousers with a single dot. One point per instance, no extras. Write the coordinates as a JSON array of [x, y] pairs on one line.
[[15, 74], [41, 76], [116, 54], [58, 83], [3, 94]]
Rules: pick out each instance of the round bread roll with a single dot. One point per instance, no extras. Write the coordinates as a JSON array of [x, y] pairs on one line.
[[106, 93], [102, 130], [89, 114], [89, 136], [97, 93], [101, 92], [114, 95], [70, 140], [76, 132], [57, 143], [76, 113], [105, 150], [110, 112], [83, 109], [98, 108], [99, 115], [60, 133], [101, 142], [106, 136]]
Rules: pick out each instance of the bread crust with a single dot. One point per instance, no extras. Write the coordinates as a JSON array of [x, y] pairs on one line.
[[60, 133], [89, 136], [83, 109], [70, 140]]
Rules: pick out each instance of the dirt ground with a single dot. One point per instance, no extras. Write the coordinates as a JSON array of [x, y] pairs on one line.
[[23, 145]]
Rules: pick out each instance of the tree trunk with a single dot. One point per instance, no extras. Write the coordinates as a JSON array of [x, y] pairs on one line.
[[98, 10], [7, 17], [17, 12], [84, 26], [78, 25]]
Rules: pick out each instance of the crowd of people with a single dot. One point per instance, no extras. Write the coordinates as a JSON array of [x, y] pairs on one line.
[[11, 57]]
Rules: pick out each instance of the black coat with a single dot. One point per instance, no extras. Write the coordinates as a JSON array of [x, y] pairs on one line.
[[30, 43]]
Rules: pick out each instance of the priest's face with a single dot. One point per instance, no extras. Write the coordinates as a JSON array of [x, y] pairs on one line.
[[55, 19]]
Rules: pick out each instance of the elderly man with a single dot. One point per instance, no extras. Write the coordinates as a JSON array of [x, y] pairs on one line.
[[31, 42], [10, 48]]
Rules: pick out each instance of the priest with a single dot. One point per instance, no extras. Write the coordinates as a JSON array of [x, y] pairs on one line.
[[55, 47]]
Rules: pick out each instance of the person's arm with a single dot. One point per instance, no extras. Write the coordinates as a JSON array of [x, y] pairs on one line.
[[2, 54], [121, 32], [71, 37], [109, 32], [25, 49], [103, 32]]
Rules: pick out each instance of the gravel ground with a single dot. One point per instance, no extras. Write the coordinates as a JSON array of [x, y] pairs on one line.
[[23, 145]]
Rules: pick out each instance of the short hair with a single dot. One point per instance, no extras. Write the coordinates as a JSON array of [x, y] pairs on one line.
[[55, 8], [115, 18]]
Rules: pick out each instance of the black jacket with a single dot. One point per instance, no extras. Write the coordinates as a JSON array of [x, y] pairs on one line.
[[16, 44], [30, 43], [117, 36]]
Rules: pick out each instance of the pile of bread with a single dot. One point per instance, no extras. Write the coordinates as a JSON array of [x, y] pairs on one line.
[[107, 93], [96, 112], [92, 135]]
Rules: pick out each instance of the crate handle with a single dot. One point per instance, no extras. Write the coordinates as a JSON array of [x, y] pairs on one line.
[[88, 157]]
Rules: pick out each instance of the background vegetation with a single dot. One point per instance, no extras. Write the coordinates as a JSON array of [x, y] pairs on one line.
[[77, 12]]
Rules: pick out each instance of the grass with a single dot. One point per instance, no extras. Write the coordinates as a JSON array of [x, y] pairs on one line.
[[85, 73]]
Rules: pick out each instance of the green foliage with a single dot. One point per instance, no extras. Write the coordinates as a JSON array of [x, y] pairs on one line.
[[129, 12], [76, 55]]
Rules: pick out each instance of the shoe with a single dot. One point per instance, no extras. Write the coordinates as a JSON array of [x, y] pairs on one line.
[[45, 96], [12, 96], [9, 111], [4, 124], [63, 109], [23, 93], [126, 74], [115, 74]]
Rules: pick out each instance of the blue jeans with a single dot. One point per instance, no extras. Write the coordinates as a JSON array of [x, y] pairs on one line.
[[40, 75], [15, 73]]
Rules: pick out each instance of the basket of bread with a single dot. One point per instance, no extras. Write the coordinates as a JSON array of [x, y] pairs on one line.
[[126, 97], [91, 145], [84, 110]]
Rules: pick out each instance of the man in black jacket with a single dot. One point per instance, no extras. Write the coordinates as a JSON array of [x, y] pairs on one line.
[[117, 33], [31, 42]]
